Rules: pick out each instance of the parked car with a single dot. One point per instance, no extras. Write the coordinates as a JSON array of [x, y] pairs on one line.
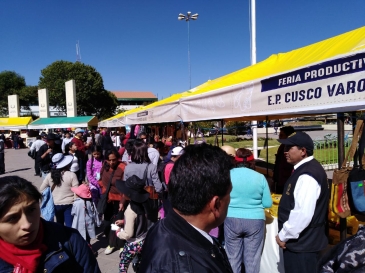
[[218, 131], [238, 130]]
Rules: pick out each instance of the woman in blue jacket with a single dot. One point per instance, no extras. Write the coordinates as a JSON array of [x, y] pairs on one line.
[[244, 227], [28, 243]]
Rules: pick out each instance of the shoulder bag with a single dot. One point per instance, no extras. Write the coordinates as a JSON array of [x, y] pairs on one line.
[[102, 204], [356, 180], [47, 205], [339, 202]]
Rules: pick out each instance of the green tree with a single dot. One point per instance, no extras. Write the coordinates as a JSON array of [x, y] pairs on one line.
[[10, 84], [91, 97], [28, 95]]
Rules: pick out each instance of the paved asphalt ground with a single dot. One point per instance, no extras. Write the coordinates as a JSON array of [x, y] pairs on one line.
[[18, 163]]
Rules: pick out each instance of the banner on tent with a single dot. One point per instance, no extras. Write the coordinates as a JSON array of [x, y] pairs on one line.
[[334, 84], [325, 70], [162, 113]]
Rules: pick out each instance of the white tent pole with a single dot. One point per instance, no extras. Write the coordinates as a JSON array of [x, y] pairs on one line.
[[253, 61]]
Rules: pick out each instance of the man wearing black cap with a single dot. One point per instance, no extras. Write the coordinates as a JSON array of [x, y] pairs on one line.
[[303, 206], [46, 151]]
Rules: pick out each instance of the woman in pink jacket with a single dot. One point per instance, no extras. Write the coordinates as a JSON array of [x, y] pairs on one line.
[[93, 168]]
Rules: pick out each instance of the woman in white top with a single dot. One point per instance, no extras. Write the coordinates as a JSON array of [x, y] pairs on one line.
[[60, 179], [66, 141], [71, 149], [116, 140]]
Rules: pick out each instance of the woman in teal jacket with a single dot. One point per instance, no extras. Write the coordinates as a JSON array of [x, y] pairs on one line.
[[28, 243], [244, 227]]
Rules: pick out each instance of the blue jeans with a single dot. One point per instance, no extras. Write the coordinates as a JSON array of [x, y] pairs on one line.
[[44, 175], [63, 214], [244, 240]]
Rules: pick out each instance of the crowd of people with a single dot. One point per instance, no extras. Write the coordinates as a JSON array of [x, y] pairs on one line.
[[164, 207]]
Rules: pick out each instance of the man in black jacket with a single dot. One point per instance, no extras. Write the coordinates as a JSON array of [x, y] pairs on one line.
[[45, 153], [199, 192]]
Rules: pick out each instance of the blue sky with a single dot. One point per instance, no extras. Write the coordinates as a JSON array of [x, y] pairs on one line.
[[139, 45]]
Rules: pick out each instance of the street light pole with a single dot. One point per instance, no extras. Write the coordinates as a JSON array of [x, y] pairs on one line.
[[187, 18]]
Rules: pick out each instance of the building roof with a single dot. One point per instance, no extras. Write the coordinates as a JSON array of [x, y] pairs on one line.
[[63, 122], [14, 123], [134, 95]]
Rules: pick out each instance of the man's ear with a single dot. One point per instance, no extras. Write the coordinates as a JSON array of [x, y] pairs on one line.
[[214, 205]]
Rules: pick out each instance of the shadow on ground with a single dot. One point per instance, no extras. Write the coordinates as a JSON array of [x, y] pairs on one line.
[[19, 170]]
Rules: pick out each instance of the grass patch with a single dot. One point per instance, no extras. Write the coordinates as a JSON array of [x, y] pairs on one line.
[[326, 154]]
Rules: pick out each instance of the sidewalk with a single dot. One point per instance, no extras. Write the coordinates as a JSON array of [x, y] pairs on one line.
[[18, 163]]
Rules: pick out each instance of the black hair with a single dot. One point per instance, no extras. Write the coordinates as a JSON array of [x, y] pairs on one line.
[[287, 130], [12, 188], [201, 173], [142, 134], [309, 152], [160, 147], [56, 175], [38, 137], [129, 145], [67, 149], [112, 151], [106, 165], [139, 153], [98, 149]]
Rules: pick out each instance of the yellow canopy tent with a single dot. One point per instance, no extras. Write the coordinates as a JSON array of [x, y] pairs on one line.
[[15, 123], [114, 121], [325, 77]]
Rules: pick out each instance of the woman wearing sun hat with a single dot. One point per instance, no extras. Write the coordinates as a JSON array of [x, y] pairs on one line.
[[135, 220], [61, 179]]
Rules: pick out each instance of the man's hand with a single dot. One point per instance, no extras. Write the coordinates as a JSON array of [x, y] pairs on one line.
[[280, 243]]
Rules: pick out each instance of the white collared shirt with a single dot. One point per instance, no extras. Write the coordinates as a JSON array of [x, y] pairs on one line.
[[37, 144], [306, 193], [202, 232]]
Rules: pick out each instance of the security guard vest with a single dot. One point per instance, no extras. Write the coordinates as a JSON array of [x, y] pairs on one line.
[[313, 237]]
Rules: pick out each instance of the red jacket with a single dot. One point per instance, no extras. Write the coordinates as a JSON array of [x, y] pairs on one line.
[[80, 144]]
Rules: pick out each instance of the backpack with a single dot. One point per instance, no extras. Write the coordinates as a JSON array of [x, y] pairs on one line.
[[136, 180], [161, 170]]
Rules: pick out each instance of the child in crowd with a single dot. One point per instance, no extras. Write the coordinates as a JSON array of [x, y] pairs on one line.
[[71, 149], [85, 215], [93, 169], [135, 220]]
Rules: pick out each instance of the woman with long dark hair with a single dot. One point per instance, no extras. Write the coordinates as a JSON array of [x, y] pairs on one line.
[[30, 244], [141, 163], [112, 170], [61, 180]]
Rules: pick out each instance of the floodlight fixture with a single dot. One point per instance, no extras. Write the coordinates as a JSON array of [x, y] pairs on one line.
[[187, 18]]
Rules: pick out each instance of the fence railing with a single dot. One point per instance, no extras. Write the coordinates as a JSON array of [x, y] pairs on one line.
[[326, 150]]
